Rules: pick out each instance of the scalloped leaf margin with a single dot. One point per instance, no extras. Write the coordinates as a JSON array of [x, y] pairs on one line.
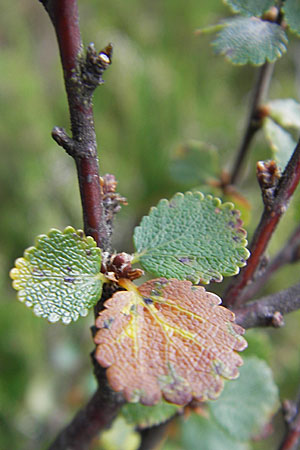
[[191, 237], [167, 339], [250, 40], [59, 278]]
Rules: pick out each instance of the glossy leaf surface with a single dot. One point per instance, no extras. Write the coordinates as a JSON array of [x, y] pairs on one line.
[[167, 339], [60, 277], [250, 40], [192, 237]]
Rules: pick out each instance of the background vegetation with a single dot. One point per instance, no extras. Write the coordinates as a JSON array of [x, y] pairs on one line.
[[165, 87]]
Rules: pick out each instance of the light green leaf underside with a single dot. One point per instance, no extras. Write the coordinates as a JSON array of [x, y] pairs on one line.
[[147, 416], [208, 435], [194, 163], [281, 142], [60, 277], [291, 11], [247, 405], [250, 40], [191, 237], [286, 112], [250, 7]]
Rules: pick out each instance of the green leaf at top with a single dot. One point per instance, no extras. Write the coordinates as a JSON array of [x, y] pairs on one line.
[[194, 163], [250, 40], [247, 405], [285, 111], [291, 9], [147, 416], [281, 142], [191, 237], [250, 7], [60, 277]]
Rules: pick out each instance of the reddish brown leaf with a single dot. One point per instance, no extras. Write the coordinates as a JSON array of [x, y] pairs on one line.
[[167, 338]]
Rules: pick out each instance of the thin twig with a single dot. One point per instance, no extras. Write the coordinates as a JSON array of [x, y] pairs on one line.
[[254, 120], [271, 215], [151, 437], [289, 254], [268, 310]]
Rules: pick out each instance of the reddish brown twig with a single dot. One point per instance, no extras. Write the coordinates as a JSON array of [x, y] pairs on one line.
[[274, 209], [289, 254], [80, 75]]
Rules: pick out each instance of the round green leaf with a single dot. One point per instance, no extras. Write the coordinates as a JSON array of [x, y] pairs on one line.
[[60, 277], [291, 9], [204, 433], [250, 40], [148, 416], [281, 142], [286, 112], [191, 237], [250, 7], [194, 163], [247, 405]]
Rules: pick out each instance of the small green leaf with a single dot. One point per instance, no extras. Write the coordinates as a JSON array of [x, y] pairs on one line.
[[248, 404], [250, 7], [281, 142], [194, 163], [199, 429], [148, 416], [291, 9], [251, 40], [191, 237], [286, 112], [60, 277]]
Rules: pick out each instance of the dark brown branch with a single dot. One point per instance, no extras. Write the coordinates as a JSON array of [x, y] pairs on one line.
[[292, 420], [88, 421], [269, 220], [254, 120], [289, 254], [81, 76], [151, 437], [268, 310]]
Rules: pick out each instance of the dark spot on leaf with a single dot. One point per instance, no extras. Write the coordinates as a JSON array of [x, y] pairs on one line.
[[69, 280], [147, 300], [184, 260], [236, 238], [69, 268], [231, 224], [133, 308], [88, 252], [107, 323]]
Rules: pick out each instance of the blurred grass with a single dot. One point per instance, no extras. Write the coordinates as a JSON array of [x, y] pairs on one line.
[[165, 87]]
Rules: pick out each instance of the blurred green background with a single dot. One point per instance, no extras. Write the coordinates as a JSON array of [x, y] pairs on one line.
[[165, 87]]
